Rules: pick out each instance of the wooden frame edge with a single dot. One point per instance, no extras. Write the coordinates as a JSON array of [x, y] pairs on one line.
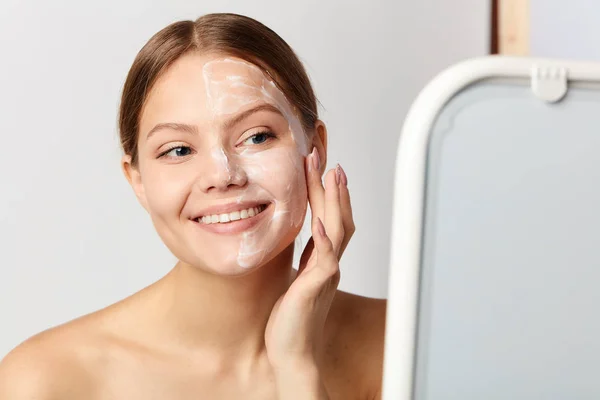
[[513, 30]]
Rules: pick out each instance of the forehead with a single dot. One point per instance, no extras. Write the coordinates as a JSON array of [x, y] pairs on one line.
[[233, 69], [187, 88]]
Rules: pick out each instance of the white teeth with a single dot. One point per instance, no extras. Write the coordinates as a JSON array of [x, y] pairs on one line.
[[232, 216]]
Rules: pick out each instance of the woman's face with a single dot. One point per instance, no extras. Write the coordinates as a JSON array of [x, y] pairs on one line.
[[221, 164]]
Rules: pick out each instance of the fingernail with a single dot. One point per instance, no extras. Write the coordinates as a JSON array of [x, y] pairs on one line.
[[343, 176], [320, 227], [315, 158], [338, 173]]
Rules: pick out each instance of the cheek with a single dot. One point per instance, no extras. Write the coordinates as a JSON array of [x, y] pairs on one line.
[[280, 171], [164, 195]]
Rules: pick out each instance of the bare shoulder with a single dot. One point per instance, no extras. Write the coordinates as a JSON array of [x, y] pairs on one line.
[[50, 365], [357, 332]]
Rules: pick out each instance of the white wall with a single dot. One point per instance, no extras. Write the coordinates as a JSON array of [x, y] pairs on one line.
[[565, 29], [72, 236]]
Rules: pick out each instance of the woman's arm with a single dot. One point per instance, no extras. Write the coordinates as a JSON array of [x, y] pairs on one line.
[[44, 367], [25, 375]]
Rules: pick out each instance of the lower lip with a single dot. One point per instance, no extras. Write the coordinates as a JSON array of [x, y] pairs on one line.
[[235, 227]]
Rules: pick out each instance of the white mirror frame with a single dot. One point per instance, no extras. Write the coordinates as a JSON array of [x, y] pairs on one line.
[[549, 78]]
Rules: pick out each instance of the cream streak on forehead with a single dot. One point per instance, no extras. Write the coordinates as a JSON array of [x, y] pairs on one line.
[[234, 85]]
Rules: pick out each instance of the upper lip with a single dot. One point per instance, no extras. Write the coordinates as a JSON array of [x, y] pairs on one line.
[[227, 208]]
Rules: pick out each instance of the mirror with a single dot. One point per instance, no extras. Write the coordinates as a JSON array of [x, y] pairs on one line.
[[494, 264]]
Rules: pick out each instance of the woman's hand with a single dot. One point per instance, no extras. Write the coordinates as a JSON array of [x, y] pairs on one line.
[[294, 331]]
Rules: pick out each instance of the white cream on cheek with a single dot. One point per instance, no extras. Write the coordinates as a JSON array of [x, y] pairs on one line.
[[276, 174], [280, 169]]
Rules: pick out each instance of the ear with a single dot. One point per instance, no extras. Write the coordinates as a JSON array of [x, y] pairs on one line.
[[320, 142], [132, 173]]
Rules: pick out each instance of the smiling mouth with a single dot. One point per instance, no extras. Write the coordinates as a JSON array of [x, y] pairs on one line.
[[232, 216]]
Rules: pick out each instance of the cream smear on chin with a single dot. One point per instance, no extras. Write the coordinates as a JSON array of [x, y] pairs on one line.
[[235, 85]]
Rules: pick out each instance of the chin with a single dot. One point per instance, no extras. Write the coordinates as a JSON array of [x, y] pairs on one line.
[[241, 266]]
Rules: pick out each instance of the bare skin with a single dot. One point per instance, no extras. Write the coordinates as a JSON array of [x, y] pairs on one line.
[[213, 328], [103, 356]]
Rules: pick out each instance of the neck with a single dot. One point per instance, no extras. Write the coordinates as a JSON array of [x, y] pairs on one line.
[[225, 316]]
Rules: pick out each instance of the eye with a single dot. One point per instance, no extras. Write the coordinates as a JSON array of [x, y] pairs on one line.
[[179, 151], [260, 138]]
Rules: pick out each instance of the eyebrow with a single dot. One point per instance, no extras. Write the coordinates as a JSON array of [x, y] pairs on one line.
[[192, 130]]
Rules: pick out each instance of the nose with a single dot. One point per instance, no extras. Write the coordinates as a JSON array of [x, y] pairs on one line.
[[220, 171]]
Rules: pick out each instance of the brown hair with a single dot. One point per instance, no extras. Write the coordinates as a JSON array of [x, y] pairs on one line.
[[226, 33]]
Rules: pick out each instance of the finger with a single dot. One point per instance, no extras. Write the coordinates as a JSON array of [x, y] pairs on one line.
[[326, 261], [346, 210], [316, 191], [322, 245], [322, 272], [333, 214]]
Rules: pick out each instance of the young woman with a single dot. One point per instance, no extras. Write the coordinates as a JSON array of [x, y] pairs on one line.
[[224, 149]]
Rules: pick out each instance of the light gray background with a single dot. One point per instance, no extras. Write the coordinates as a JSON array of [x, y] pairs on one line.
[[72, 235], [565, 29], [510, 275]]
